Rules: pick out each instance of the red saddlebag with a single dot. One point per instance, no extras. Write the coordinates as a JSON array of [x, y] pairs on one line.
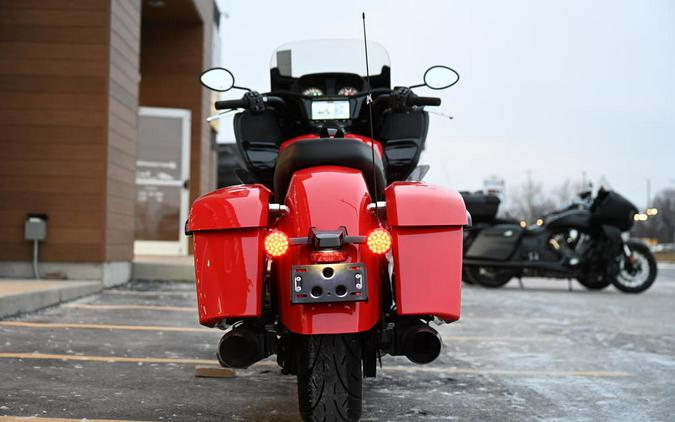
[[426, 223], [228, 226]]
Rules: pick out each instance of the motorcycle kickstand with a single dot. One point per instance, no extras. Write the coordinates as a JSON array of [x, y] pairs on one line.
[[520, 283], [569, 284]]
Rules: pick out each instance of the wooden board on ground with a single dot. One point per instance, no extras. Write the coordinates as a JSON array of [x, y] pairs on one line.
[[214, 372]]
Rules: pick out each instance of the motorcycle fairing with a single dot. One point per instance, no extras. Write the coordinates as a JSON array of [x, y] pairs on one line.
[[426, 225], [580, 219], [228, 226]]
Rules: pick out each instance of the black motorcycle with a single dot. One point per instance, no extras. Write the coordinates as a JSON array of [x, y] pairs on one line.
[[583, 241]]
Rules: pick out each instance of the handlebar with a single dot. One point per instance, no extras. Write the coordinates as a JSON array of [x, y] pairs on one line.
[[407, 101], [423, 101], [254, 102], [226, 104], [257, 101]]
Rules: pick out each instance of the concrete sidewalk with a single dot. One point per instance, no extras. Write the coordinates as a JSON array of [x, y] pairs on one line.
[[21, 296]]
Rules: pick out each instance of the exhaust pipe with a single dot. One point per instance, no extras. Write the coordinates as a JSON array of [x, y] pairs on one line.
[[421, 343], [241, 347]]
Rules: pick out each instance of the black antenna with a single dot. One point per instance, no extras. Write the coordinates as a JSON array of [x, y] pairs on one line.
[[369, 102]]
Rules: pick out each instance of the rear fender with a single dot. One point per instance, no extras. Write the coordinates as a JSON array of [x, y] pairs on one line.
[[327, 197]]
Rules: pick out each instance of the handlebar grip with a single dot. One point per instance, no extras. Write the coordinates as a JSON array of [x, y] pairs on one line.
[[424, 101], [231, 104], [273, 100]]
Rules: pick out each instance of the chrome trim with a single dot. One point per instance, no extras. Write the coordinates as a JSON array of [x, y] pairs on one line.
[[277, 209], [380, 206], [469, 219]]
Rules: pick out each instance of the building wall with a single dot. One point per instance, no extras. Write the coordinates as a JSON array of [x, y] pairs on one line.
[[123, 87], [170, 69], [53, 116], [69, 93]]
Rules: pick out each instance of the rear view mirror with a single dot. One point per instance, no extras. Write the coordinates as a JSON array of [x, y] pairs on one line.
[[217, 79], [440, 77]]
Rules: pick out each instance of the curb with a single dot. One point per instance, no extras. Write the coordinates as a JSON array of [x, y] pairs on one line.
[[33, 300]]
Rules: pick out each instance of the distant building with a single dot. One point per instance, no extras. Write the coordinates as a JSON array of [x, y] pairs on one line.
[[496, 186]]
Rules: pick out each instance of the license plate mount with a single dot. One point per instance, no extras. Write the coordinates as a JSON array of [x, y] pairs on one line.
[[328, 283]]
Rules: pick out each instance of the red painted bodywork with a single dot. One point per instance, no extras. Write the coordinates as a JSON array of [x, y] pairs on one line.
[[364, 139], [426, 225], [326, 198], [228, 226]]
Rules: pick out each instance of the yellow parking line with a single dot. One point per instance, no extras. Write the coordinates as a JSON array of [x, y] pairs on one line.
[[132, 307], [104, 326], [107, 359], [509, 372], [36, 419], [149, 293], [502, 338], [393, 368]]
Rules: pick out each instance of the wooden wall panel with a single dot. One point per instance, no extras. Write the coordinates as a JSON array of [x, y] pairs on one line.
[[69, 75], [69, 95], [53, 116]]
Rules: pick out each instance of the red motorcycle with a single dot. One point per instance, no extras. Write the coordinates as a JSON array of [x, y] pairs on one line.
[[327, 256]]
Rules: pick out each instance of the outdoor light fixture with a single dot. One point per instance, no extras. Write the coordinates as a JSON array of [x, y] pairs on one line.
[[640, 217]]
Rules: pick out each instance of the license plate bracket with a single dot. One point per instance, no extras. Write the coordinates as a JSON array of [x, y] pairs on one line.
[[328, 283]]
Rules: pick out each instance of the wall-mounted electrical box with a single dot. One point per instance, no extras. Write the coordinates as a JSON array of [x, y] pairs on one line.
[[35, 227]]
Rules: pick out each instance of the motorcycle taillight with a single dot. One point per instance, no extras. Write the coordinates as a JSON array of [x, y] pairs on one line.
[[276, 243], [379, 241], [328, 256]]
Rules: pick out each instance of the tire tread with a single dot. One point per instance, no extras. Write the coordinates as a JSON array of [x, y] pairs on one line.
[[329, 377]]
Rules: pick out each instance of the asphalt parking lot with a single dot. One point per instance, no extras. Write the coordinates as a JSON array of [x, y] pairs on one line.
[[538, 353]]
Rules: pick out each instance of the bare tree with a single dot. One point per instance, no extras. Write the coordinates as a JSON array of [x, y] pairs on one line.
[[566, 191], [529, 202]]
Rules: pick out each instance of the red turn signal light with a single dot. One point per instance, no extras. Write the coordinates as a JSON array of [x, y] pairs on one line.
[[276, 243], [328, 256], [379, 241]]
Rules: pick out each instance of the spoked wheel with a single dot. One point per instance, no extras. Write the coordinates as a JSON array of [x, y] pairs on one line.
[[329, 377], [637, 272], [488, 276], [594, 281]]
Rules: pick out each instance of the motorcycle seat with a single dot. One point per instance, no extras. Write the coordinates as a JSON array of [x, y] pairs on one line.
[[314, 152]]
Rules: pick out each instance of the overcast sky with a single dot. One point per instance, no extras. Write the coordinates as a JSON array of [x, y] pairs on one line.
[[555, 88]]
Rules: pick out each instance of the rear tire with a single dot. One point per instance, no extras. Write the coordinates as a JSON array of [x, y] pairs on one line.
[[640, 277], [329, 377], [488, 276], [594, 283]]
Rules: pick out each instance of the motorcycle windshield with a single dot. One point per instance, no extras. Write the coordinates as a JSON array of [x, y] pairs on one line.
[[302, 58]]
